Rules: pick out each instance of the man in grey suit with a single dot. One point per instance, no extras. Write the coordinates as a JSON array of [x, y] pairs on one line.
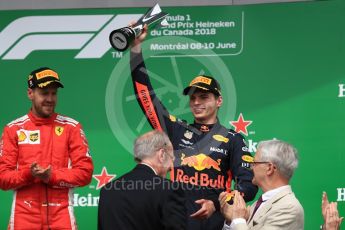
[[277, 208]]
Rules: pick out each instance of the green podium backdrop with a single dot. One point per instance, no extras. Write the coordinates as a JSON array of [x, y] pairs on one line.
[[281, 66]]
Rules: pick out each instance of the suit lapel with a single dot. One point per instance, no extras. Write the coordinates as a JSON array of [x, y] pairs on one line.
[[266, 206]]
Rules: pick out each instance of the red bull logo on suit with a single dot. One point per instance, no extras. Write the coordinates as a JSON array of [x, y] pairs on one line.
[[200, 162]]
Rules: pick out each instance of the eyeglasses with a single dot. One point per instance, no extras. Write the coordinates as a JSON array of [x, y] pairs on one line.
[[252, 164]]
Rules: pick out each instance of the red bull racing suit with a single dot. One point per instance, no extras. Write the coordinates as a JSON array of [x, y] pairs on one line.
[[57, 141], [208, 157]]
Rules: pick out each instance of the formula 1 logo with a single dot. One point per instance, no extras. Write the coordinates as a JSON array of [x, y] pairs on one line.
[[86, 33]]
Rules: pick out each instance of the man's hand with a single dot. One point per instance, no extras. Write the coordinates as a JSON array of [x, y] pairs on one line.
[[41, 173], [324, 205], [330, 214], [136, 45], [239, 209], [206, 210], [225, 207], [332, 220]]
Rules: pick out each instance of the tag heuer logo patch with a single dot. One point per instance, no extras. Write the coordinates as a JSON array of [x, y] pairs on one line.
[[58, 130], [34, 137]]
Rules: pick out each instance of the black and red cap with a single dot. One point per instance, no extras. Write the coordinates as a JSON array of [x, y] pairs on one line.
[[203, 82], [43, 77]]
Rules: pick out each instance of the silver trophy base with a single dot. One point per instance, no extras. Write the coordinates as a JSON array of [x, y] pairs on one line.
[[121, 39]]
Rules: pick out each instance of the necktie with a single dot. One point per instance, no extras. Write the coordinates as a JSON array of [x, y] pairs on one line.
[[258, 203]]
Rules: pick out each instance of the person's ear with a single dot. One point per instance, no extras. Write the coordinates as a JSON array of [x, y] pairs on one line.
[[161, 156], [219, 101], [271, 168], [30, 94]]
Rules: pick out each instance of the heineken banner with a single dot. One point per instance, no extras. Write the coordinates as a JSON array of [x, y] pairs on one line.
[[281, 68]]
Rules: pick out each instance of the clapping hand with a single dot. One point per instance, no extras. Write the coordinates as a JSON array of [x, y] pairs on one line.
[[40, 172]]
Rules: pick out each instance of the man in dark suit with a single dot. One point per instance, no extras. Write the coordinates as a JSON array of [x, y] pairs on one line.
[[142, 198]]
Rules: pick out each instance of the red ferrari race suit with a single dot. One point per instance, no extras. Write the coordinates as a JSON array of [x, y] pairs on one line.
[[57, 141], [208, 157]]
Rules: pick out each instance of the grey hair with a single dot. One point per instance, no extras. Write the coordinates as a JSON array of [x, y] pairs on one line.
[[147, 144], [283, 155]]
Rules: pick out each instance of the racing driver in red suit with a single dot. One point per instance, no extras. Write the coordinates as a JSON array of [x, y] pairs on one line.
[[43, 156], [208, 156]]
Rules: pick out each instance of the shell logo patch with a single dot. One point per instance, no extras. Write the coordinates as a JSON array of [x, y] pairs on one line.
[[21, 136]]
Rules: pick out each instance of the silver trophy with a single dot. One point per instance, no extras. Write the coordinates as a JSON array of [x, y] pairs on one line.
[[120, 39]]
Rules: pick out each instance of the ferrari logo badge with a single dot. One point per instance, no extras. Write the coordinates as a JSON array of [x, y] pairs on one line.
[[58, 130]]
